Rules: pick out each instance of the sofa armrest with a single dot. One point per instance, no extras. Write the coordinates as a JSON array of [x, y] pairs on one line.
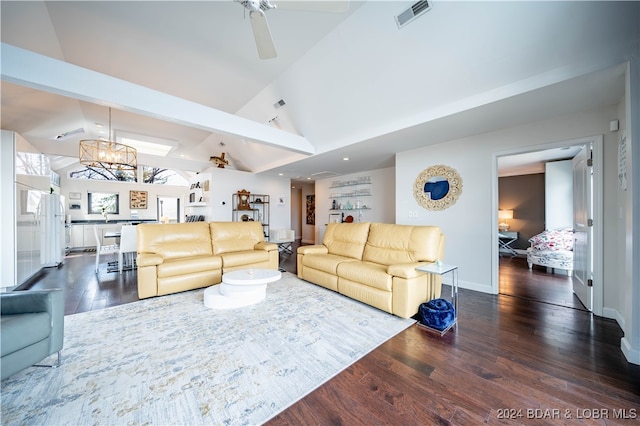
[[314, 249], [266, 246], [149, 259], [26, 302], [50, 301], [406, 270]]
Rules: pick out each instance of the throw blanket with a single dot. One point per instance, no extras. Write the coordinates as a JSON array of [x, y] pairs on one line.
[[437, 313]]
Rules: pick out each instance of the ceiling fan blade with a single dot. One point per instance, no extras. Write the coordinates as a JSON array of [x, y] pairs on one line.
[[334, 6], [264, 42]]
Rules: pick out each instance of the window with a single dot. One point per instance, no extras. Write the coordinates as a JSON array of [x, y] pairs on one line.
[[109, 201], [30, 163], [162, 176], [104, 174]]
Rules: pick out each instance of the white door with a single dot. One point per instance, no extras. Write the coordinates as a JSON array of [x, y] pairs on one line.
[[582, 214]]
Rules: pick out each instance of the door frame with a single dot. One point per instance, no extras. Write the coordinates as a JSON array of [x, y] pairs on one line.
[[598, 210]]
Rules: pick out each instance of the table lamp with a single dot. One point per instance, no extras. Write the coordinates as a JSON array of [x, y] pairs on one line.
[[503, 216]]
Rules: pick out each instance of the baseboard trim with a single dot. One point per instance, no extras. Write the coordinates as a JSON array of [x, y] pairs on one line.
[[614, 315], [469, 285], [632, 355]]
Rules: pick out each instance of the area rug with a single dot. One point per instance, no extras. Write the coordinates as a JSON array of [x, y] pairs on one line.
[[171, 360]]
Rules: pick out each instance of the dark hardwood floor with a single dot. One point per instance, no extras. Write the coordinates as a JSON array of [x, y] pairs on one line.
[[510, 360], [517, 280]]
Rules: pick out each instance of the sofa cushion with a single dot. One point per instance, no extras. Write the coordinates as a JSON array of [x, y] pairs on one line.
[[346, 239], [240, 258], [390, 244], [371, 274], [175, 240], [22, 330], [235, 236], [188, 265], [557, 239], [325, 262]]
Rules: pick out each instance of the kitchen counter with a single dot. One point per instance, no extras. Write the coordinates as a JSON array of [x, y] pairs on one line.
[[111, 221]]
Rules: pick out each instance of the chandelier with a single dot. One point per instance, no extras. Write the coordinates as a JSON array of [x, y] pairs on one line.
[[107, 154]]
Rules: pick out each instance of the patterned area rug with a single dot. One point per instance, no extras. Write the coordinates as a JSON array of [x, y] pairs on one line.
[[170, 360]]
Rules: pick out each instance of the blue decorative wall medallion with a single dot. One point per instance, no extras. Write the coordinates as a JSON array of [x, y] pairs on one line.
[[437, 187]]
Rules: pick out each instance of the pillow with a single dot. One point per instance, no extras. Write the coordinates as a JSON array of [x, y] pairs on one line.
[[558, 239]]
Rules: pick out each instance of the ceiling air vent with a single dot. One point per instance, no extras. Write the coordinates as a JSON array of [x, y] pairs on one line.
[[412, 13], [66, 135]]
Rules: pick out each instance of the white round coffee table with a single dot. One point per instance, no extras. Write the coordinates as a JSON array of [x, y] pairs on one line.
[[239, 288]]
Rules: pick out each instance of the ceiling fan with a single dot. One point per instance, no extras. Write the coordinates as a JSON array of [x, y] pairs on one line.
[[260, 26]]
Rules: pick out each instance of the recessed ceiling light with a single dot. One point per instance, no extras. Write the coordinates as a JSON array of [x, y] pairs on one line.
[[280, 174], [345, 158], [308, 178], [99, 126]]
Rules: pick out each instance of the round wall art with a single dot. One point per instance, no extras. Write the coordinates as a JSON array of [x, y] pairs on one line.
[[437, 187]]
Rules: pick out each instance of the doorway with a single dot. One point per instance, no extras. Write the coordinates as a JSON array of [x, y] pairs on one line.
[[168, 209], [512, 274]]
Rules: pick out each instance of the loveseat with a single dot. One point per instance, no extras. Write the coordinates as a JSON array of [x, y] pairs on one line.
[[32, 328], [376, 263], [185, 256]]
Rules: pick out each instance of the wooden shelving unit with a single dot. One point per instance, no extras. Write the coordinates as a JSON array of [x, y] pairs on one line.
[[259, 211]]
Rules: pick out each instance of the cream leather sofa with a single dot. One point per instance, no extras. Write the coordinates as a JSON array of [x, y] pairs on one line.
[[185, 256], [375, 263]]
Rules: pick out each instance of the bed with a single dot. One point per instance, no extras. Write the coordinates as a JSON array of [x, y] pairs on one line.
[[552, 249]]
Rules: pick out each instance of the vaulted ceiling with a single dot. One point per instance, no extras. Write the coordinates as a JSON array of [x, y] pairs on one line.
[[354, 84]]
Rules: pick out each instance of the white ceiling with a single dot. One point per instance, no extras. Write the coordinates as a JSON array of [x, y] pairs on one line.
[[203, 51]]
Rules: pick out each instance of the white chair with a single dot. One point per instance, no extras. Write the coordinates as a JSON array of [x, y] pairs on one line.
[[100, 249], [284, 238], [128, 245]]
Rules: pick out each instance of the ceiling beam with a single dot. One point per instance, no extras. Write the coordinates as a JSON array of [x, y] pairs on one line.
[[26, 68]]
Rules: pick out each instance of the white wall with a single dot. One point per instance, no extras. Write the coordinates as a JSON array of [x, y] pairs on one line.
[[468, 225], [84, 186], [296, 211], [226, 182], [381, 202], [7, 210], [630, 208]]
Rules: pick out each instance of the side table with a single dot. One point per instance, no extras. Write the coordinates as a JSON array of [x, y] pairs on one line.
[[442, 269], [505, 239]]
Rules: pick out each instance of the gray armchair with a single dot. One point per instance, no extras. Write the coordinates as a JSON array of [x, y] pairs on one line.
[[32, 328]]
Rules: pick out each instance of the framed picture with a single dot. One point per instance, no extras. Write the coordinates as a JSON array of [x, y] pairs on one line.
[[281, 201], [75, 196], [137, 199], [311, 209]]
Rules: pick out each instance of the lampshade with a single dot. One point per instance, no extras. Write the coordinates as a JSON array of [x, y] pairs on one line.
[[110, 155], [505, 214]]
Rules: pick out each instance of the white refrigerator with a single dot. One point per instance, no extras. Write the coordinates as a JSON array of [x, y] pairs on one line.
[[52, 232]]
